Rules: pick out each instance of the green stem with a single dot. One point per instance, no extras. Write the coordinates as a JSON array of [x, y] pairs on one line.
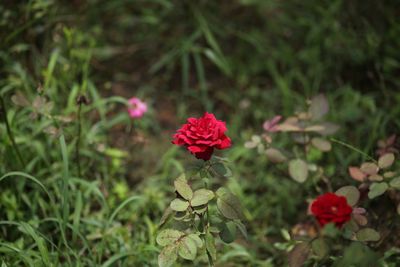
[[353, 148], [305, 145], [206, 222], [210, 260], [78, 142], [10, 134]]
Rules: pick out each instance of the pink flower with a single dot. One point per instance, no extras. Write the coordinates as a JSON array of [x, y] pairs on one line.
[[136, 108], [271, 125]]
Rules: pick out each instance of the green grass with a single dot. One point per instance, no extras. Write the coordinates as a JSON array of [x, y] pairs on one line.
[[78, 188]]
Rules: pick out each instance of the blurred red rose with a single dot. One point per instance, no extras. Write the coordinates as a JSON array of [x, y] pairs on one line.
[[200, 136], [331, 208]]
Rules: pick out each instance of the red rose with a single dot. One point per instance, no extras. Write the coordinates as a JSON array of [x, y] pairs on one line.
[[331, 208], [200, 136]]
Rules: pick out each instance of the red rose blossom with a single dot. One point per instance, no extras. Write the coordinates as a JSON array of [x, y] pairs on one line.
[[200, 136], [331, 208]]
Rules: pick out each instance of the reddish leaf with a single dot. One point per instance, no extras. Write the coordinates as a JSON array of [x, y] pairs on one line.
[[357, 174]]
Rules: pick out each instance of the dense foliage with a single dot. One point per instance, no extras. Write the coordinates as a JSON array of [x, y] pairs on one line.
[[299, 168]]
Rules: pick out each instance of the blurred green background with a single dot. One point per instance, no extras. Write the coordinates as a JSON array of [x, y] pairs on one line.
[[245, 61]]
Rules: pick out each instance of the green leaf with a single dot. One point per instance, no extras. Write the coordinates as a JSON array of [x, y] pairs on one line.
[[298, 255], [168, 236], [181, 215], [183, 188], [40, 242], [200, 209], [201, 197], [377, 189], [368, 234], [166, 215], [298, 170], [168, 256], [28, 176], [350, 192], [386, 160], [321, 144], [330, 230], [210, 245], [121, 206], [320, 248], [196, 239], [395, 183], [228, 204], [220, 169], [241, 227], [204, 173], [352, 226], [275, 156], [227, 232], [357, 255], [112, 261], [179, 205], [187, 248]]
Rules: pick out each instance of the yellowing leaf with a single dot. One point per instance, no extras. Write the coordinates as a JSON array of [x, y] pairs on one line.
[[368, 234], [386, 160], [321, 144], [319, 106], [288, 128], [350, 192], [179, 204], [168, 256], [168, 236], [369, 168], [275, 156], [298, 170], [314, 128]]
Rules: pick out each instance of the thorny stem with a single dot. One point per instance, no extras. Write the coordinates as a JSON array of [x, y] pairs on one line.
[[10, 134]]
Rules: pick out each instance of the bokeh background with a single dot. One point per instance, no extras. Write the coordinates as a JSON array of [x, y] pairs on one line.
[[244, 60]]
